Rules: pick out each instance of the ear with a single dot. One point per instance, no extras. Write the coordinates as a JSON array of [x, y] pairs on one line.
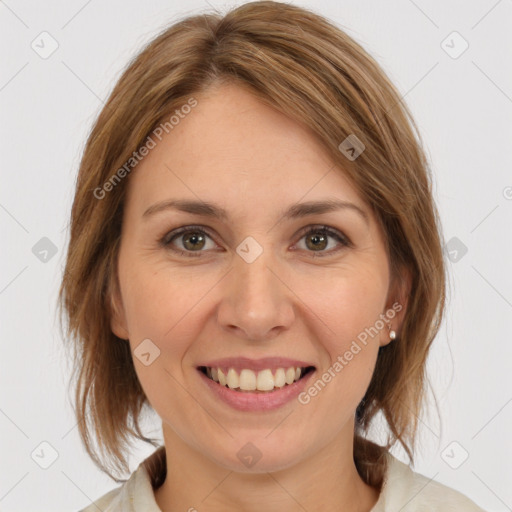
[[397, 302], [118, 323]]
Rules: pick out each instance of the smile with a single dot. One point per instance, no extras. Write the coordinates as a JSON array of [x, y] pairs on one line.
[[263, 381]]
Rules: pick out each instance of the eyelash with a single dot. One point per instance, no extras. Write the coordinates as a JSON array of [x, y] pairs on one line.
[[167, 240]]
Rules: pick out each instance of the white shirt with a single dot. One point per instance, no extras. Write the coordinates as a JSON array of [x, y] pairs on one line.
[[403, 490]]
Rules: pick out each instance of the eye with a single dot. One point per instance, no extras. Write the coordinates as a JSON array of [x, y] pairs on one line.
[[317, 239], [193, 238]]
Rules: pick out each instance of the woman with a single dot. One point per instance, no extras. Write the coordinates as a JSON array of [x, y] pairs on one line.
[[255, 254]]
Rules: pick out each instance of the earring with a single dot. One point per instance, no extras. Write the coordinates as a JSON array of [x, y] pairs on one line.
[[392, 334]]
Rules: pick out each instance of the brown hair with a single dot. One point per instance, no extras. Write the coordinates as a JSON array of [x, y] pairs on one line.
[[310, 70]]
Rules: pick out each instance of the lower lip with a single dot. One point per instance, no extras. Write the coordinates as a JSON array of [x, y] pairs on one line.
[[247, 401]]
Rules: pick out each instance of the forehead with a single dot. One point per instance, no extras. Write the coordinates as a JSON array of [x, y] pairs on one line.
[[231, 148]]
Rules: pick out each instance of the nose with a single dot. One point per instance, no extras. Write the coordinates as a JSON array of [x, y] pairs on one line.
[[256, 303]]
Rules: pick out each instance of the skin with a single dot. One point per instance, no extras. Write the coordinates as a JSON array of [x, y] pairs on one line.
[[239, 153]]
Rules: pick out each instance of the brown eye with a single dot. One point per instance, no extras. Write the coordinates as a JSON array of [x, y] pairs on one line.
[[192, 240], [317, 239]]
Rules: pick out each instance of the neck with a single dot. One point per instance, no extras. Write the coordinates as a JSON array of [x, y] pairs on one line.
[[327, 480]]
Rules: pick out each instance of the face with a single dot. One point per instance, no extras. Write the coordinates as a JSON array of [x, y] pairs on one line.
[[255, 284]]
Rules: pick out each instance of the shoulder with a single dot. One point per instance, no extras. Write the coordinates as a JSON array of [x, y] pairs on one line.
[[109, 502], [137, 493], [408, 491]]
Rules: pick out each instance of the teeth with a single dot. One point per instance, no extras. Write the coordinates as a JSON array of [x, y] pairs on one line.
[[279, 378], [265, 381], [249, 380], [232, 379], [290, 375]]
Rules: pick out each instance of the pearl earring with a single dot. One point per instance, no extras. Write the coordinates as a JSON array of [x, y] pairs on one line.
[[392, 334]]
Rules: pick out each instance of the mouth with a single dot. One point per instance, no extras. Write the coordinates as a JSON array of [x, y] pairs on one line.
[[263, 381]]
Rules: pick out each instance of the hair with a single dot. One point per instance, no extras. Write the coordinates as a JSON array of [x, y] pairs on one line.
[[310, 70]]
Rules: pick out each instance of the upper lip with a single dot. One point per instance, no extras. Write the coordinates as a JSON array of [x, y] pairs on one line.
[[272, 363]]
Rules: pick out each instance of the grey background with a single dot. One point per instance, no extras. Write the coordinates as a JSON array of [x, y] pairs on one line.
[[463, 107]]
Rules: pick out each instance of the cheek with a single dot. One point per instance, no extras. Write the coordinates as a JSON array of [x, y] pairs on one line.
[[161, 303], [348, 303], [349, 309], [351, 346], [163, 309]]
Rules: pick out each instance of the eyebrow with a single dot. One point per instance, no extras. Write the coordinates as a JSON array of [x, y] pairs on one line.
[[299, 210]]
